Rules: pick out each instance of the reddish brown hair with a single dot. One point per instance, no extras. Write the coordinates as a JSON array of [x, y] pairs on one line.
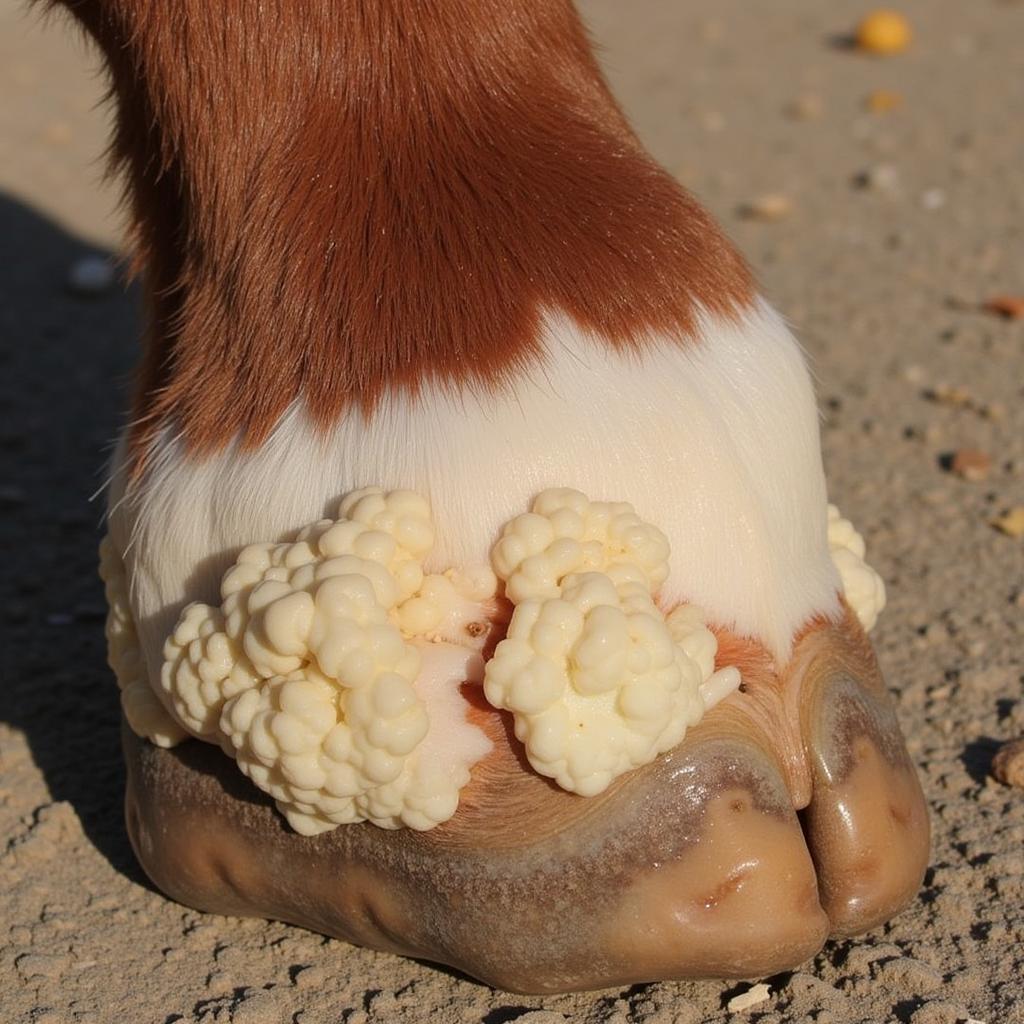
[[333, 198]]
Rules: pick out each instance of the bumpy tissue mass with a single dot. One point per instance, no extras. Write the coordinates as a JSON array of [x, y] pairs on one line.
[[309, 674], [306, 673], [597, 680]]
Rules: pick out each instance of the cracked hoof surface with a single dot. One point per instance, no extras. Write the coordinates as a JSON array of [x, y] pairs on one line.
[[791, 812]]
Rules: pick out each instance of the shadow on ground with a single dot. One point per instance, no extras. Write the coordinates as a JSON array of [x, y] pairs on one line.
[[64, 365]]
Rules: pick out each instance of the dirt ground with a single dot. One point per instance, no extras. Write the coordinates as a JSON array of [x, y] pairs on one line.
[[900, 224]]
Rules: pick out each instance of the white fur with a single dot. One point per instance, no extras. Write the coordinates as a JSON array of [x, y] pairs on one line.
[[716, 443]]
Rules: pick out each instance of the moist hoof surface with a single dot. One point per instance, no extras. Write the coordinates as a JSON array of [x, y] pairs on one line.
[[791, 813]]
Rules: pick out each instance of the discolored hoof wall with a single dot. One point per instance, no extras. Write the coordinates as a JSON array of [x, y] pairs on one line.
[[867, 823], [742, 902], [694, 866]]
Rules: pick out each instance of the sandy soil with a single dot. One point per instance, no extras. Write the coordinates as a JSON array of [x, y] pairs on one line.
[[883, 282]]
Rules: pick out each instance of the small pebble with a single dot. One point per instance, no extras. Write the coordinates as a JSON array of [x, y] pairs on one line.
[[1012, 522], [759, 993], [944, 394], [91, 275], [766, 208], [971, 464], [933, 199], [882, 101], [879, 178], [806, 107], [1009, 306], [1008, 764], [884, 33]]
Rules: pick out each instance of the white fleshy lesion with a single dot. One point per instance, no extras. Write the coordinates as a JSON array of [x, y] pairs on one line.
[[597, 680], [565, 532], [326, 674], [863, 588], [203, 668], [331, 669], [145, 715]]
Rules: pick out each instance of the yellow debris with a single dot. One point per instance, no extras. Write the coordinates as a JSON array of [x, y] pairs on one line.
[[881, 101], [767, 208], [754, 996], [883, 32], [1011, 523]]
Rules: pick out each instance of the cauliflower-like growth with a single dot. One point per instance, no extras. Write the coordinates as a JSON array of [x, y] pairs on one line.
[[447, 604], [309, 675], [597, 680], [331, 669], [202, 669], [145, 714], [686, 624], [324, 751], [863, 588], [565, 533]]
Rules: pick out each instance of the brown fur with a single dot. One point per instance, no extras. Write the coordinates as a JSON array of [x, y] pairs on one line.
[[335, 199]]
